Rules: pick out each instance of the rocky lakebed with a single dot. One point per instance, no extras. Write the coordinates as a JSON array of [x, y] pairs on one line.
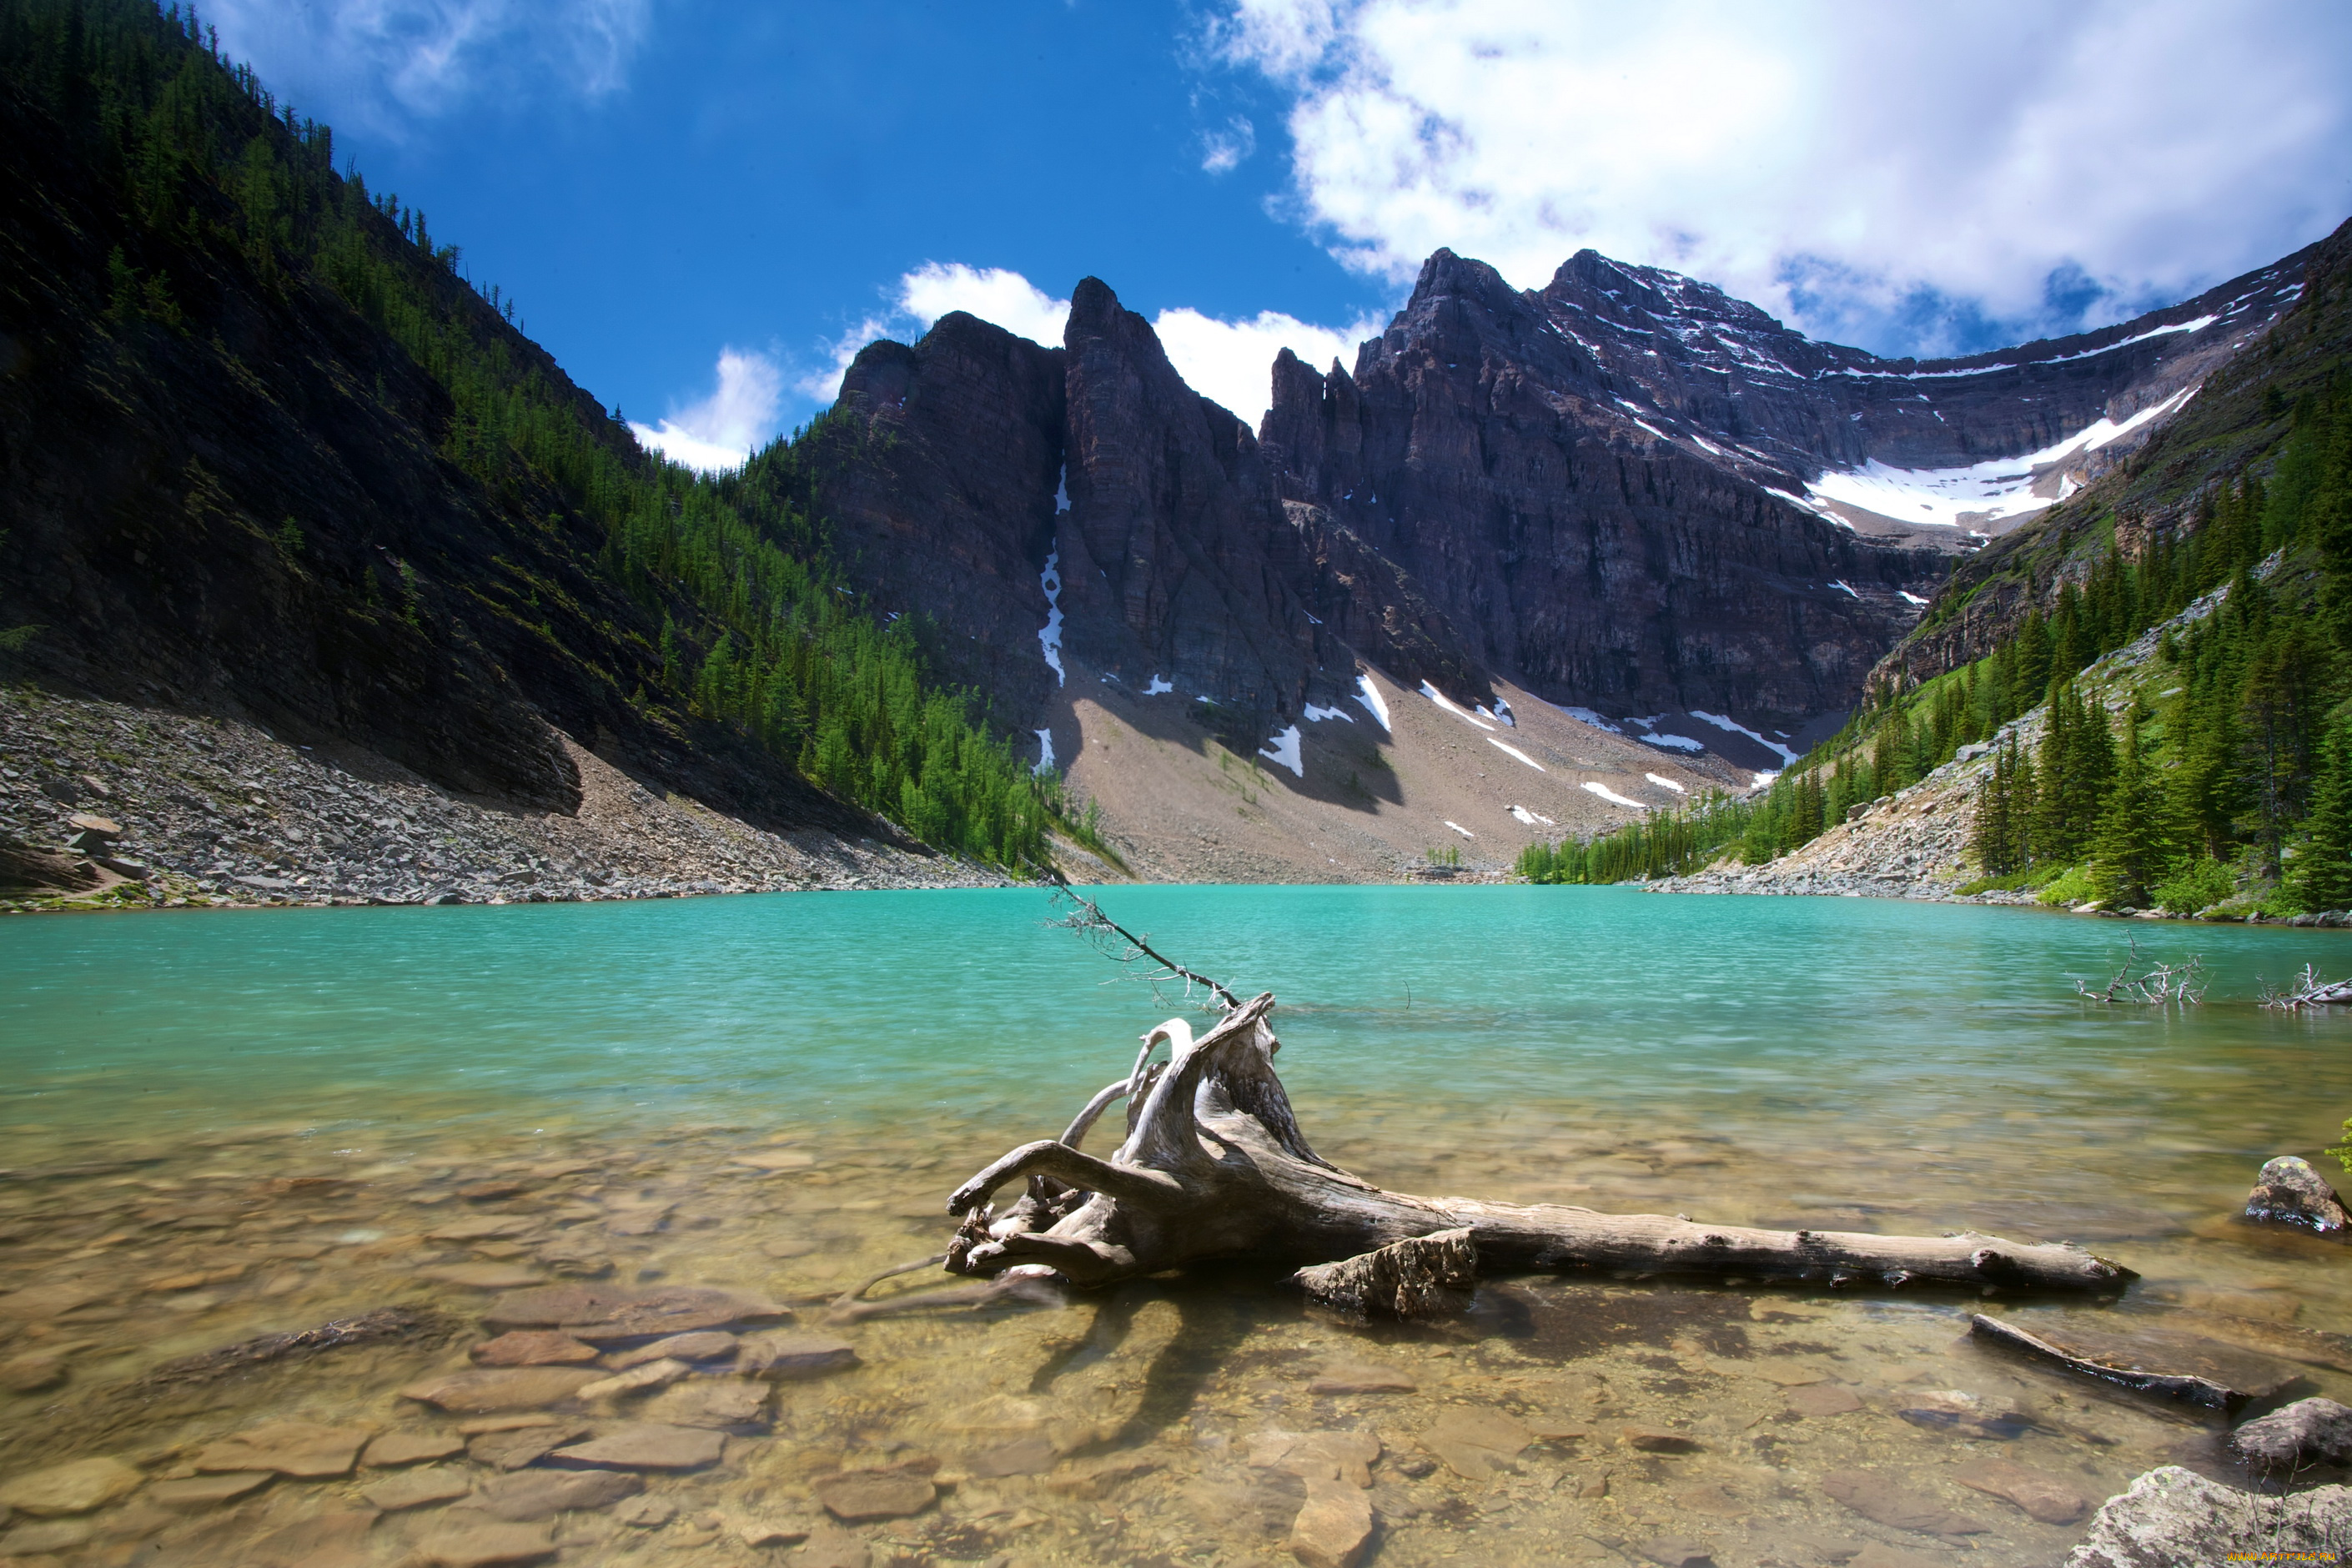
[[476, 1348]]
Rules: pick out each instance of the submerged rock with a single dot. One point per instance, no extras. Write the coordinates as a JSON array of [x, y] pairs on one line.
[[856, 1495], [418, 1489], [2288, 1192], [1333, 1528], [534, 1347], [32, 1372], [1882, 1501], [605, 1315], [647, 1446], [193, 1493], [1474, 1442], [515, 1447], [638, 1379], [531, 1495], [505, 1388], [78, 1487], [1823, 1399], [2042, 1495], [728, 1403], [790, 1357], [1350, 1376], [394, 1450], [2172, 1516], [302, 1448], [468, 1545], [706, 1344]]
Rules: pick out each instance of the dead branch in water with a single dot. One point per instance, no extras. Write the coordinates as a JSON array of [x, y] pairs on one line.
[[2309, 991], [2159, 985], [1215, 1167], [1122, 946]]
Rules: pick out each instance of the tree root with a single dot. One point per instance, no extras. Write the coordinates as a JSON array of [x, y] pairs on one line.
[[1215, 1167]]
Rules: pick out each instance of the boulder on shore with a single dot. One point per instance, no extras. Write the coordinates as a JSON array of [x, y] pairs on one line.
[[2297, 1436], [2289, 1192], [2172, 1516]]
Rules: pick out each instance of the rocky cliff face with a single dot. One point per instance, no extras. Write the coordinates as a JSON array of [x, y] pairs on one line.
[[1593, 560], [1626, 492], [938, 471], [1082, 507]]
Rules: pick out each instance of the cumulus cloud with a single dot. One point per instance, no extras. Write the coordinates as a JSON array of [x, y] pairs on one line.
[[1231, 362], [1912, 178], [724, 428], [383, 62], [993, 294]]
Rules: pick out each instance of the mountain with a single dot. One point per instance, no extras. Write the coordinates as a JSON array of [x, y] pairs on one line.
[[1627, 496], [2235, 427], [1539, 560]]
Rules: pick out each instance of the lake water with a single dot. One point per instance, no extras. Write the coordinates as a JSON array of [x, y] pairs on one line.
[[222, 1124]]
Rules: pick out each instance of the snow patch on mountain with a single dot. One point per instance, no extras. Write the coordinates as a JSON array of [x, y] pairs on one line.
[[1284, 750], [1733, 726], [1989, 492], [1049, 636]]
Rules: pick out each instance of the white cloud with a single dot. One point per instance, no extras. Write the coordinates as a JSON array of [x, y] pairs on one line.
[[724, 428], [993, 294], [1231, 362], [1226, 149], [1872, 171], [379, 62]]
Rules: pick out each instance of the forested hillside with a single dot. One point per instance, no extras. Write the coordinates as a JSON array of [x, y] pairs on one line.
[[269, 452], [2208, 769]]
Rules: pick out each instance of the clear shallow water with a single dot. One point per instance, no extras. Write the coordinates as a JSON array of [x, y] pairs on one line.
[[1836, 1063]]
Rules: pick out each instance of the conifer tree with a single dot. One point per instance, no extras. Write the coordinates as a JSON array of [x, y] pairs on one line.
[[2280, 715], [2134, 846], [2322, 865], [2033, 663], [1993, 834]]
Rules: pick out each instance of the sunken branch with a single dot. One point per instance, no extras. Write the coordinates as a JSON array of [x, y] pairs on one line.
[[2152, 985], [2309, 991]]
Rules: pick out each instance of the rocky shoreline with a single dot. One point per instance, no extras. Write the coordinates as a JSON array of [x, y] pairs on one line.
[[218, 812]]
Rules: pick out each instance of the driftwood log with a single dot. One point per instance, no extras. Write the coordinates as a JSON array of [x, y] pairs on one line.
[[1215, 1167]]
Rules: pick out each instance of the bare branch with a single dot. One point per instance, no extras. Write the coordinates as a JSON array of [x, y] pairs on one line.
[[2309, 991], [2159, 985], [1120, 945]]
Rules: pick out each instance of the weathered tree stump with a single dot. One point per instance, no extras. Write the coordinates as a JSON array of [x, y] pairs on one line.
[[1215, 1167]]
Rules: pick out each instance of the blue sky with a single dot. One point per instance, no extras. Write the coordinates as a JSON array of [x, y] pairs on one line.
[[702, 207]]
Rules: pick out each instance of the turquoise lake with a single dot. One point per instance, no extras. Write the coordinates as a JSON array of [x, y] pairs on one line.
[[221, 1123]]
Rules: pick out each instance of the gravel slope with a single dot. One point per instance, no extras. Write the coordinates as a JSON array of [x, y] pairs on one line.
[[218, 812]]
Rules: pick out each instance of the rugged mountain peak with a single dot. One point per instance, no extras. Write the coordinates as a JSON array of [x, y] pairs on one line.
[[1177, 564], [939, 473], [1626, 491]]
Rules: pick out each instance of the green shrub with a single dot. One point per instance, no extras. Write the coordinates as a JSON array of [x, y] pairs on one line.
[[2073, 885], [2199, 884]]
